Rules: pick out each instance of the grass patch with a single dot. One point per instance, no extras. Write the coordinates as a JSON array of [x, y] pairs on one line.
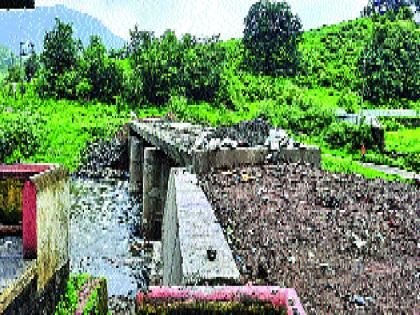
[[348, 166], [62, 128], [403, 140]]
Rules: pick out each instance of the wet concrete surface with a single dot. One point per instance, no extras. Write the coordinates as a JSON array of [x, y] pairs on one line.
[[12, 264], [104, 225]]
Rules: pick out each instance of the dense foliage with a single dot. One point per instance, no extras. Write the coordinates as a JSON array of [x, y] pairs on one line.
[[58, 75], [102, 78], [270, 36], [71, 72], [348, 136], [166, 66], [390, 65], [330, 54]]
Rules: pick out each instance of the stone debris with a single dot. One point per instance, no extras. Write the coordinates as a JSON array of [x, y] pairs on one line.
[[245, 134], [326, 235]]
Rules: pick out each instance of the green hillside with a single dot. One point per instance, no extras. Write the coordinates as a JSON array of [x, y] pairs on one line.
[[330, 53]]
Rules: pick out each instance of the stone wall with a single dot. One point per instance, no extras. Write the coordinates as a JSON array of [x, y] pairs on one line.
[[190, 229]]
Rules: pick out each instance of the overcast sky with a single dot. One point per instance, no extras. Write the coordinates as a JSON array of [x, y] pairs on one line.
[[202, 17]]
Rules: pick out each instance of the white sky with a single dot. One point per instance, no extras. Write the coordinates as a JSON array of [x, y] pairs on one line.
[[202, 17]]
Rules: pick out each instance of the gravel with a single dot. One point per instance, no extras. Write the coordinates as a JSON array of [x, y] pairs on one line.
[[345, 243]]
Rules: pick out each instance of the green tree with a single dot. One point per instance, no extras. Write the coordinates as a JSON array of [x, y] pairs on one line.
[[31, 66], [202, 65], [270, 37], [103, 78], [59, 56], [156, 63], [390, 63]]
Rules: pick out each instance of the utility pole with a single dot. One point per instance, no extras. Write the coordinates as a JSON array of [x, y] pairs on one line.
[[21, 52]]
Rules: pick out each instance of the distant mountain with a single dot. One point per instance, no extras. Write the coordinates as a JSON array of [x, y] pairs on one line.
[[31, 25], [5, 60]]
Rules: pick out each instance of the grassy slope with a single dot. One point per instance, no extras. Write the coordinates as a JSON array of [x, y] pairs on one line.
[[405, 140], [68, 127], [330, 53]]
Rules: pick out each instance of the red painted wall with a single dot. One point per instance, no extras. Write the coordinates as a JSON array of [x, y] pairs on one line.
[[29, 233]]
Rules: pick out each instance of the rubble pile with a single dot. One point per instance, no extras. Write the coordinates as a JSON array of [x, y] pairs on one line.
[[244, 134], [345, 243]]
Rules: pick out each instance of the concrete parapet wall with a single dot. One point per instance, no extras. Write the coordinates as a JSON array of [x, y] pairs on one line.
[[45, 219], [52, 217], [305, 154], [190, 228], [226, 157]]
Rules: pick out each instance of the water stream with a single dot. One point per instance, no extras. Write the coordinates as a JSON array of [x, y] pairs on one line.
[[104, 223]]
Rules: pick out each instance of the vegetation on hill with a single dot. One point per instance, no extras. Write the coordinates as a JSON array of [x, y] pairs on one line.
[[207, 80]]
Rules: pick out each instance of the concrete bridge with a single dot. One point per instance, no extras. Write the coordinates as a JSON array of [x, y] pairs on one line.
[[165, 158], [155, 146]]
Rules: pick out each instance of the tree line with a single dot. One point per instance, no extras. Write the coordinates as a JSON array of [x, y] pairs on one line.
[[165, 66]]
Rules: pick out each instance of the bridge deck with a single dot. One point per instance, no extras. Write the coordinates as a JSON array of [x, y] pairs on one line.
[[177, 141]]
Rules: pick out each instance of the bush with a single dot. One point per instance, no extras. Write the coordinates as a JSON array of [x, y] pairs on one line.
[[189, 67], [20, 137], [350, 101], [348, 136], [390, 63]]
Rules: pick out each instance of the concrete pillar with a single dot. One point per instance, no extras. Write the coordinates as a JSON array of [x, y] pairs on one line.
[[136, 169], [151, 191], [156, 169]]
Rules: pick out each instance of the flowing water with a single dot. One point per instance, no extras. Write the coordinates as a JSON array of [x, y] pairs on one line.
[[104, 224]]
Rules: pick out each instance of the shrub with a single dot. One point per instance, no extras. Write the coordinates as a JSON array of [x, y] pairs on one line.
[[20, 137], [350, 101], [348, 136]]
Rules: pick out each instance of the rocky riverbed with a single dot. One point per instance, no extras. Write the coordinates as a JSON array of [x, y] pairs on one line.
[[345, 243]]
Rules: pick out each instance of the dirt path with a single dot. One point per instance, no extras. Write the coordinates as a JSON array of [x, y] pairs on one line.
[[392, 170], [347, 244], [387, 169]]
